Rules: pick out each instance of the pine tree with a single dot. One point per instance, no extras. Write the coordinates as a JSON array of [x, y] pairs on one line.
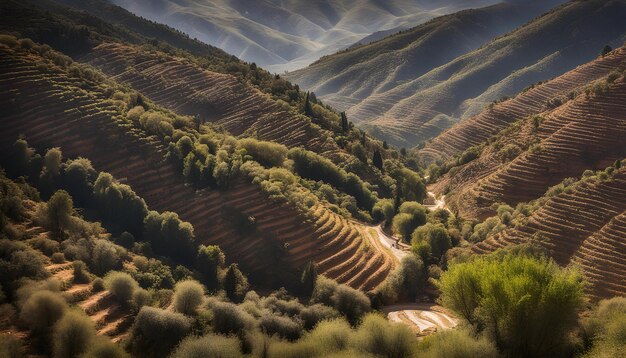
[[308, 110], [235, 283], [309, 278], [377, 160], [345, 126]]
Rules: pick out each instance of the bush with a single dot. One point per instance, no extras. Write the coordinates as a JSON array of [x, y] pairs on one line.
[[103, 348], [314, 314], [141, 298], [81, 274], [376, 335], [228, 318], [209, 346], [383, 210], [10, 346], [285, 327], [73, 335], [57, 258], [105, 257], [435, 236], [268, 154], [121, 285], [156, 332], [188, 296], [45, 245], [209, 261], [353, 304], [42, 310], [528, 305], [324, 290], [235, 283], [457, 344], [605, 328], [97, 284], [170, 236], [59, 210]]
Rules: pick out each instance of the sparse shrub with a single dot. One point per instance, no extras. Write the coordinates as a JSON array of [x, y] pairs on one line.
[[42, 310], [141, 298], [121, 285], [72, 335], [105, 257], [45, 245], [604, 330], [97, 284], [81, 274], [324, 290], [57, 258], [59, 210], [209, 346], [156, 332], [457, 343], [188, 296]]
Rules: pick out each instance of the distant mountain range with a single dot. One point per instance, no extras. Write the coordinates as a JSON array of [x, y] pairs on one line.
[[409, 87], [284, 35]]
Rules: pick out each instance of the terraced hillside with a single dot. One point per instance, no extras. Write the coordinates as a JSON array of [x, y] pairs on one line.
[[212, 97], [536, 153], [585, 227], [535, 100], [52, 107], [420, 108]]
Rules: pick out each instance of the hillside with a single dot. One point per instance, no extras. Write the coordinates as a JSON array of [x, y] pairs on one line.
[[420, 107], [582, 226], [584, 131], [280, 35], [81, 119]]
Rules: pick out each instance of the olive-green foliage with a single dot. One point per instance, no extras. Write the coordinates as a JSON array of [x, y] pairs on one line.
[[324, 290], [45, 245], [210, 261], [42, 310], [208, 346], [78, 178], [315, 167], [10, 346], [102, 347], [169, 235], [230, 319], [490, 226], [410, 215], [308, 278], [268, 154], [121, 285], [57, 258], [59, 210], [353, 304], [19, 261], [435, 238], [235, 283], [156, 332], [97, 284], [105, 257], [141, 297], [410, 185], [188, 296], [408, 279], [282, 326], [527, 305], [605, 328], [383, 210], [72, 335], [80, 272], [378, 336], [457, 343], [120, 207], [316, 313]]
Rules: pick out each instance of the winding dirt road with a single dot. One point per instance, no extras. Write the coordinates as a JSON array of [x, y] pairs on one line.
[[423, 318]]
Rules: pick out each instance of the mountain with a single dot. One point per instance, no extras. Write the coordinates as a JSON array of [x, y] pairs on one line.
[[410, 87], [286, 35]]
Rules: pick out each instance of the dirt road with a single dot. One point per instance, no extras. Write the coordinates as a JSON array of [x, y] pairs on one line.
[[422, 318]]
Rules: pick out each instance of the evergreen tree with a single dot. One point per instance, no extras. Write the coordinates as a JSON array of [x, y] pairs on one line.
[[308, 109], [377, 160], [235, 283], [605, 50], [209, 260], [309, 278], [345, 126]]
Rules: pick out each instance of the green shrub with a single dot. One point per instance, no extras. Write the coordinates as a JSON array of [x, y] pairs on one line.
[[528, 305], [435, 236], [59, 210], [105, 257], [228, 318], [141, 298], [324, 290], [209, 346], [383, 210], [42, 310], [285, 327], [268, 154], [156, 332], [121, 285], [316, 313], [45, 245], [604, 330], [209, 261], [188, 296], [235, 283], [378, 336], [457, 344], [353, 304], [72, 335], [103, 348]]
